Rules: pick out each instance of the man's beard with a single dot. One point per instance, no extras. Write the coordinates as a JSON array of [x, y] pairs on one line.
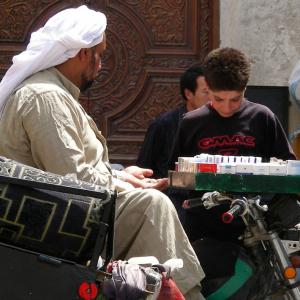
[[86, 85]]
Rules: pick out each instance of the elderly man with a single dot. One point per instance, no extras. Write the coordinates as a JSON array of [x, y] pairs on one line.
[[43, 125]]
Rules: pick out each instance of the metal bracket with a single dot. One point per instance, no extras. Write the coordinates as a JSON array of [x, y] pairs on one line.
[[291, 246]]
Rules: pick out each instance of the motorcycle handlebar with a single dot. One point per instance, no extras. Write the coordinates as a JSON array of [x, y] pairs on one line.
[[190, 203], [237, 209]]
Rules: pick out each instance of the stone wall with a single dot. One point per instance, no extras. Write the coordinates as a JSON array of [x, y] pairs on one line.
[[268, 31]]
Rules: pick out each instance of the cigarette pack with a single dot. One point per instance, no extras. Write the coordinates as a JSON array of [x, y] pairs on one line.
[[261, 169], [226, 168], [293, 167], [183, 164], [244, 169], [278, 169], [207, 168]]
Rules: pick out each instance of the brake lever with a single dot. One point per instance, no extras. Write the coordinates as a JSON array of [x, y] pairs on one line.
[[211, 199], [263, 207]]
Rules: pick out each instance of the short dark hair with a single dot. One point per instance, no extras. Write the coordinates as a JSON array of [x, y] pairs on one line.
[[226, 69], [188, 79]]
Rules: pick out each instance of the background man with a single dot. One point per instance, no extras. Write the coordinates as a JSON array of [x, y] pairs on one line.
[[43, 125], [160, 135]]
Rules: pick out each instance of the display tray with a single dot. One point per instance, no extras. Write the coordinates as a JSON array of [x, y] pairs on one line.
[[235, 182]]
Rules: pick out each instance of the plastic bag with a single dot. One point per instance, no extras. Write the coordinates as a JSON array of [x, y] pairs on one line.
[[169, 289], [141, 278]]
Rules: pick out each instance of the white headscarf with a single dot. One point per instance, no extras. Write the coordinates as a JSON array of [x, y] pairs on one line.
[[61, 38]]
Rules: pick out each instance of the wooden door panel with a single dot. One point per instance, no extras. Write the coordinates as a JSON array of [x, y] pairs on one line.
[[18, 19], [150, 43]]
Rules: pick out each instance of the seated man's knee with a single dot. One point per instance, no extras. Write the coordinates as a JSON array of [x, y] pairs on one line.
[[158, 200]]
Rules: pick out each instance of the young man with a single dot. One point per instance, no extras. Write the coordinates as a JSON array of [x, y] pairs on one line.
[[160, 135], [43, 125], [228, 125]]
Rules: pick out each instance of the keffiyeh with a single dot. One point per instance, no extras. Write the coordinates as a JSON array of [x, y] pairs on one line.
[[61, 38]]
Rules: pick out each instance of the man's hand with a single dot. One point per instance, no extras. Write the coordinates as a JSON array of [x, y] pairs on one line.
[[138, 177], [138, 172]]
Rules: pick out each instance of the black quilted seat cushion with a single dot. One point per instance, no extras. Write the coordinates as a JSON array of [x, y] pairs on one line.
[[51, 222]]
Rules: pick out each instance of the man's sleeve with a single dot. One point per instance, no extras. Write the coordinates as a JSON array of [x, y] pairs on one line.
[[153, 149], [55, 135], [147, 151], [280, 147], [177, 147]]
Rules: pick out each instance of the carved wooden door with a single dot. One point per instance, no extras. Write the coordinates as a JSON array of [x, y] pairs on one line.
[[150, 43]]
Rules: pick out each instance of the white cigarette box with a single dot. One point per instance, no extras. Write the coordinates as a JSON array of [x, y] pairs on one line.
[[258, 159], [244, 169], [251, 159], [231, 159], [210, 159], [245, 159], [218, 159], [193, 167], [183, 164], [261, 169], [238, 159], [278, 169], [226, 168], [225, 159], [293, 167], [201, 157]]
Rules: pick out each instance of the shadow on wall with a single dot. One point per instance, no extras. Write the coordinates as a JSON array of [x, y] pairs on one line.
[[277, 98], [274, 97]]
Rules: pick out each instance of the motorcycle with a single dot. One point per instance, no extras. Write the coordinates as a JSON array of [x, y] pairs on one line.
[[272, 250]]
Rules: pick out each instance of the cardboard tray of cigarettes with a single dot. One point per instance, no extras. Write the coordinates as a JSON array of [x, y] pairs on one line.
[[235, 182]]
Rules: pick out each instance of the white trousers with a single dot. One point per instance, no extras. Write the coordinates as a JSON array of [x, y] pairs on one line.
[[147, 224]]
